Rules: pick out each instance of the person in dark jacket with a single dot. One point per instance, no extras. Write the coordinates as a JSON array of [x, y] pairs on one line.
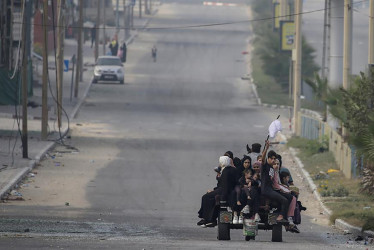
[[113, 46], [267, 173], [93, 35], [239, 166], [227, 181]]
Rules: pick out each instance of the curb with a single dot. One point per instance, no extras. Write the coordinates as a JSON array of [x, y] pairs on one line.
[[341, 224], [16, 179], [254, 89]]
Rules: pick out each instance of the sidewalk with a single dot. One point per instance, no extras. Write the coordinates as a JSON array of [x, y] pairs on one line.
[[13, 167]]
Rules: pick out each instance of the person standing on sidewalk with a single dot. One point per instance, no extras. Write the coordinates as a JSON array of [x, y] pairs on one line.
[[93, 35], [113, 46]]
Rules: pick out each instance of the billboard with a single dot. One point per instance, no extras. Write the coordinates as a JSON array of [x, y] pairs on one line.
[[287, 35]]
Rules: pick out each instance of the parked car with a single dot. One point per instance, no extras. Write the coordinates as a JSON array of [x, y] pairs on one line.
[[109, 69]]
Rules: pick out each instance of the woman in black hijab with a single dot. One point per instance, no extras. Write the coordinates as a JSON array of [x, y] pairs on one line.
[[246, 163]]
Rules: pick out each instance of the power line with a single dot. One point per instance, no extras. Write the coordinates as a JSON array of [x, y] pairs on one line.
[[207, 25]]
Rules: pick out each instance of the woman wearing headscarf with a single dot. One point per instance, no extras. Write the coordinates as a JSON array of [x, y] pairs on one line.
[[246, 163], [208, 211]]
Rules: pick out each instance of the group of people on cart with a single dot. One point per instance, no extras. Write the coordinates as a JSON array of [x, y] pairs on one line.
[[245, 184]]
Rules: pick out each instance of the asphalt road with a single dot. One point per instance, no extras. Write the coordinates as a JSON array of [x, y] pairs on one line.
[[147, 149]]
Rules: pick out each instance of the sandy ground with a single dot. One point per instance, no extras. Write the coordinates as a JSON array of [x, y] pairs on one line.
[[63, 177], [314, 209]]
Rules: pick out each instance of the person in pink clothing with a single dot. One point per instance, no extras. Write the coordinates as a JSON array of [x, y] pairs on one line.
[[286, 192]]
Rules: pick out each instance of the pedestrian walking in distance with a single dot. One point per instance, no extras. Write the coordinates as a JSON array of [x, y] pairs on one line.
[[154, 53], [93, 35]]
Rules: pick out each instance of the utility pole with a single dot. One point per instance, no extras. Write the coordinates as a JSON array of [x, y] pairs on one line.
[[297, 69], [347, 52], [347, 55], [326, 27], [28, 48], [140, 8], [132, 16], [97, 31], [146, 7], [371, 33], [78, 74], [45, 73], [117, 15], [126, 18], [60, 57], [104, 24], [25, 61]]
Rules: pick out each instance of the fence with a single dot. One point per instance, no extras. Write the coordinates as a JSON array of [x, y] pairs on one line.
[[313, 128]]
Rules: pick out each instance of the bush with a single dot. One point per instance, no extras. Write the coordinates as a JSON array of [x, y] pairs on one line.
[[369, 224], [336, 192], [325, 193], [340, 192], [310, 147]]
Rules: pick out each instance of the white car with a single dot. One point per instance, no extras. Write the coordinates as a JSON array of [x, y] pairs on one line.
[[108, 69]]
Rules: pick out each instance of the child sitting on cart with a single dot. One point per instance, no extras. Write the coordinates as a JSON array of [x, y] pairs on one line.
[[247, 199]]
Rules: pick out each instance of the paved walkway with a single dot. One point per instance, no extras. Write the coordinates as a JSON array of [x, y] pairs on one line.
[[13, 167]]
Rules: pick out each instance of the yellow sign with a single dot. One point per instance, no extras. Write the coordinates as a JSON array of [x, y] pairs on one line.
[[287, 35]]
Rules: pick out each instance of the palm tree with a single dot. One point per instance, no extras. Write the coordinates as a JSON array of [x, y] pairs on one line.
[[321, 90], [364, 143]]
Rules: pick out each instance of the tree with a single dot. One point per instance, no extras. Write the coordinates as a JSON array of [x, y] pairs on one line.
[[364, 143], [358, 105], [354, 108], [321, 91]]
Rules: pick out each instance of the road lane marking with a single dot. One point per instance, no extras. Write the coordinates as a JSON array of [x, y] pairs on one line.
[[219, 4]]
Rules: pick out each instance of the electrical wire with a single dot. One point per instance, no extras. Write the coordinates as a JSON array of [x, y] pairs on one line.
[[19, 42], [212, 24], [356, 10], [17, 96]]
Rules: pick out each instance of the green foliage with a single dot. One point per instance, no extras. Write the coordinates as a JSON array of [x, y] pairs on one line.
[[335, 102], [357, 215], [340, 192], [369, 224], [325, 193], [319, 86], [309, 67], [358, 103], [354, 108], [309, 147]]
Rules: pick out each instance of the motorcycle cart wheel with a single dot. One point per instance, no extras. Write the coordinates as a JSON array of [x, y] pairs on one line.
[[276, 235], [223, 231]]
